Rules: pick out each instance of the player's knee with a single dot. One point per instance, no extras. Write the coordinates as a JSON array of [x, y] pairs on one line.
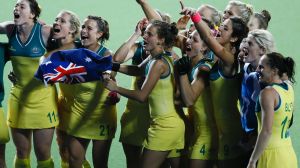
[[23, 153]]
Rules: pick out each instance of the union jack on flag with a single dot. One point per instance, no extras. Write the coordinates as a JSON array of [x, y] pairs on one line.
[[67, 75], [73, 66]]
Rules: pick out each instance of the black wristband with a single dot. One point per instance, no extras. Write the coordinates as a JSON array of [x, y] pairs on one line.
[[183, 65], [182, 72], [115, 67]]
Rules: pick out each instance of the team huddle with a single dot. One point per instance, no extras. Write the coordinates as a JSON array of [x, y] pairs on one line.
[[226, 100]]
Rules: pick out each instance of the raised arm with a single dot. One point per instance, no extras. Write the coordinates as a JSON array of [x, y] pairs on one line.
[[190, 91], [127, 49], [132, 70], [268, 101], [150, 13], [221, 52]]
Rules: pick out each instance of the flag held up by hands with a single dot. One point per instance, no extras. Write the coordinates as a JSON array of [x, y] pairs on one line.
[[73, 66]]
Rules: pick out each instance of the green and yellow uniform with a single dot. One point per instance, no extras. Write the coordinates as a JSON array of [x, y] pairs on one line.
[[4, 135], [31, 105], [204, 140], [225, 94], [84, 110], [279, 151], [166, 130], [135, 120]]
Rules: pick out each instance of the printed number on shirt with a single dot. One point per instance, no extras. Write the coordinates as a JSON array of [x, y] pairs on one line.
[[104, 129], [51, 116]]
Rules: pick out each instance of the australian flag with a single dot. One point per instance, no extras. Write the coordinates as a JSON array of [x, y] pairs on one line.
[[73, 66]]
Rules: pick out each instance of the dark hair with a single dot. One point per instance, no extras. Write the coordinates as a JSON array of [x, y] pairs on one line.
[[283, 64], [35, 9], [102, 26], [164, 16], [239, 30], [52, 43], [263, 18], [166, 31], [246, 10]]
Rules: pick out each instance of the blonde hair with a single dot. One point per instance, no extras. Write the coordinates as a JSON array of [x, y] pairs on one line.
[[216, 17], [264, 39], [74, 21], [246, 10]]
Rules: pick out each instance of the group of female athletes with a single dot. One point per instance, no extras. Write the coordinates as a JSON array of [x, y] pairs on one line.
[[226, 100]]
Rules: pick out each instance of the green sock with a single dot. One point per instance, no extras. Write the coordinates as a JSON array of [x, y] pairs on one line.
[[49, 163], [22, 163], [64, 164], [86, 164]]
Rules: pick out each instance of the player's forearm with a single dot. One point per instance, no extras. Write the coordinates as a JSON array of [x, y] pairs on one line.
[[131, 70], [186, 91], [150, 13], [132, 94], [122, 54], [261, 143]]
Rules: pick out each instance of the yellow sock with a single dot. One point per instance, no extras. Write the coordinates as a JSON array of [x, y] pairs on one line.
[[86, 164], [49, 163], [64, 164], [22, 163]]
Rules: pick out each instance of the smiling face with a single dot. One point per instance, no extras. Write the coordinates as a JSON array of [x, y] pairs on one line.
[[22, 12], [194, 45], [62, 26], [225, 32], [264, 70], [89, 33], [151, 39]]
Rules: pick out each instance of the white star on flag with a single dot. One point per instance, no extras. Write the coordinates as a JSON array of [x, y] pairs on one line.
[[87, 59]]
